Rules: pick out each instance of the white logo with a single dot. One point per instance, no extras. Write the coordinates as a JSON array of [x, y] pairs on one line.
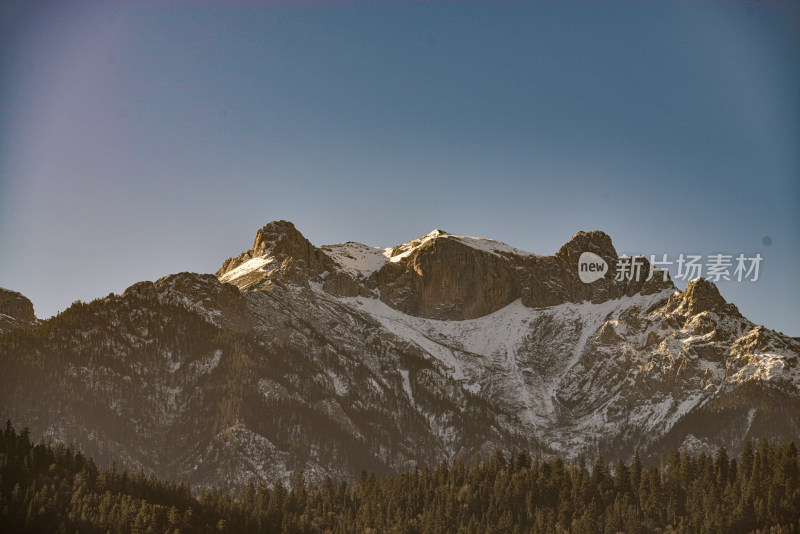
[[591, 267]]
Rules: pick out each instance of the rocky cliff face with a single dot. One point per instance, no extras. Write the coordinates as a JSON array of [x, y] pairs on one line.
[[16, 311], [343, 357], [279, 253], [439, 275], [444, 278]]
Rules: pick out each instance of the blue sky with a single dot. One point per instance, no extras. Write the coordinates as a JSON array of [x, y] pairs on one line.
[[138, 140]]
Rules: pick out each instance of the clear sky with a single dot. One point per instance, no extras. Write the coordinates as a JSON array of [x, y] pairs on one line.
[[138, 140]]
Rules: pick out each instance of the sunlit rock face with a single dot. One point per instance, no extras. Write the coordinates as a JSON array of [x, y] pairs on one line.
[[439, 275]]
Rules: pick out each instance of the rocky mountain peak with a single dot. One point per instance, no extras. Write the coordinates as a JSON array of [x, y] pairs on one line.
[[702, 295], [404, 250], [281, 240], [16, 305], [281, 237], [16, 311], [281, 250], [595, 241], [438, 275]]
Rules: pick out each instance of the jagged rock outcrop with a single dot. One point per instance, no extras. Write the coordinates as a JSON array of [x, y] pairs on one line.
[[595, 241], [445, 278], [608, 287], [16, 311], [286, 254], [699, 296], [449, 277]]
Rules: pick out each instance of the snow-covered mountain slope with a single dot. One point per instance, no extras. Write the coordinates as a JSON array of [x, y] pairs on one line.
[[345, 357], [357, 260]]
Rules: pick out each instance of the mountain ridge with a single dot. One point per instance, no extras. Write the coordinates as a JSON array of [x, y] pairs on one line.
[[290, 358], [438, 275]]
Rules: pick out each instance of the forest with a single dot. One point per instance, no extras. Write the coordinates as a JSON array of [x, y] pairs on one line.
[[50, 487]]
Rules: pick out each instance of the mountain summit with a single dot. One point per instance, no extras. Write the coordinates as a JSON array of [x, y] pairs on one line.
[[16, 311], [437, 276], [337, 358]]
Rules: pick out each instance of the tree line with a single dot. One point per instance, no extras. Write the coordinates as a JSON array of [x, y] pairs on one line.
[[47, 487]]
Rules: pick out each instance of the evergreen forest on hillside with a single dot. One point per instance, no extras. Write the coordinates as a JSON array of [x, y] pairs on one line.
[[50, 487]]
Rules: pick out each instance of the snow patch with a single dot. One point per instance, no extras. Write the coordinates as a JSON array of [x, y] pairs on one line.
[[761, 366], [491, 246], [247, 267], [356, 259], [407, 386], [209, 364]]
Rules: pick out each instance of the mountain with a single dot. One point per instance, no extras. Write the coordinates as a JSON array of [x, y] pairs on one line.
[[16, 311], [345, 357]]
